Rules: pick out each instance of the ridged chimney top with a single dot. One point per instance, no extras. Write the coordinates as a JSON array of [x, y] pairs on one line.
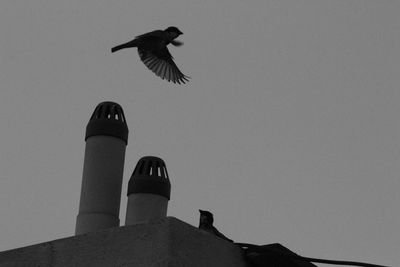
[[150, 176], [108, 119]]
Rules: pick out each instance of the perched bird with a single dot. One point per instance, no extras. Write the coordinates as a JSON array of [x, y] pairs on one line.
[[153, 51], [206, 224]]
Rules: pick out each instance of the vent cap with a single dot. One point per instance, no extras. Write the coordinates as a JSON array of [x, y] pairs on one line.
[[108, 119], [150, 176]]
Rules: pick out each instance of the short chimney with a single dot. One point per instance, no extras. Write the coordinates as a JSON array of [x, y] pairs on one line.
[[149, 191], [106, 140]]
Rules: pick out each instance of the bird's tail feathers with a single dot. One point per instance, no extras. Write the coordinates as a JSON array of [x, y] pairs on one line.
[[122, 46]]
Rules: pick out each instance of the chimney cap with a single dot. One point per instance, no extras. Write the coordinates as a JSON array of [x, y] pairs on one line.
[[108, 119], [150, 176]]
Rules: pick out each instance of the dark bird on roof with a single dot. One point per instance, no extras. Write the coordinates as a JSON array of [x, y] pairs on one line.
[[153, 51], [206, 224]]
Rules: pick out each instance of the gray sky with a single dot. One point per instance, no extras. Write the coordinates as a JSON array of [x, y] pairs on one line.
[[289, 130]]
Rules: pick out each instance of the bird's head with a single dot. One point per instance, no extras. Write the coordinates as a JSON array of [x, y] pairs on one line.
[[173, 32], [206, 217]]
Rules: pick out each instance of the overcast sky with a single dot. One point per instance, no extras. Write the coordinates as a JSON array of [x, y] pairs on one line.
[[288, 131]]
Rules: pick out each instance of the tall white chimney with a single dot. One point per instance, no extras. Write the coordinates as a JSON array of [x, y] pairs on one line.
[[106, 140], [149, 191]]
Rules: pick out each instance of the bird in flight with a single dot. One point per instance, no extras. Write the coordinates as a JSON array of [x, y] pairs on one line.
[[153, 51], [206, 224]]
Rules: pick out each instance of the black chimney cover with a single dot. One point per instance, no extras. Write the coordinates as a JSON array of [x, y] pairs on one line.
[[150, 176], [108, 119]]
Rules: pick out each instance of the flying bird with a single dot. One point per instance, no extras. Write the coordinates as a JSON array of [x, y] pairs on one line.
[[153, 51], [206, 224]]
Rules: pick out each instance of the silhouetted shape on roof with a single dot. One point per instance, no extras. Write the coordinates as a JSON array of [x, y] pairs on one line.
[[206, 224], [276, 255]]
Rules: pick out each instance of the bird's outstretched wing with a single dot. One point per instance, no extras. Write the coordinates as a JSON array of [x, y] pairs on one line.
[[162, 64]]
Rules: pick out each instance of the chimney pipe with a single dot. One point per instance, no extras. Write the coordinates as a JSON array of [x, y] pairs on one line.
[[149, 191], [106, 139]]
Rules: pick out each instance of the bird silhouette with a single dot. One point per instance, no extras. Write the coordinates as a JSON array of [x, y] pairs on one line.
[[153, 51], [206, 224]]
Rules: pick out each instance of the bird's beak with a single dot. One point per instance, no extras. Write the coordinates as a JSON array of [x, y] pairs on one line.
[[180, 32]]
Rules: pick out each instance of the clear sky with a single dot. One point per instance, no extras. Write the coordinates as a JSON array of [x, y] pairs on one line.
[[289, 130]]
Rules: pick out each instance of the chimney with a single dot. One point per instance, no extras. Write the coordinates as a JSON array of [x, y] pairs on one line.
[[149, 191], [106, 140]]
